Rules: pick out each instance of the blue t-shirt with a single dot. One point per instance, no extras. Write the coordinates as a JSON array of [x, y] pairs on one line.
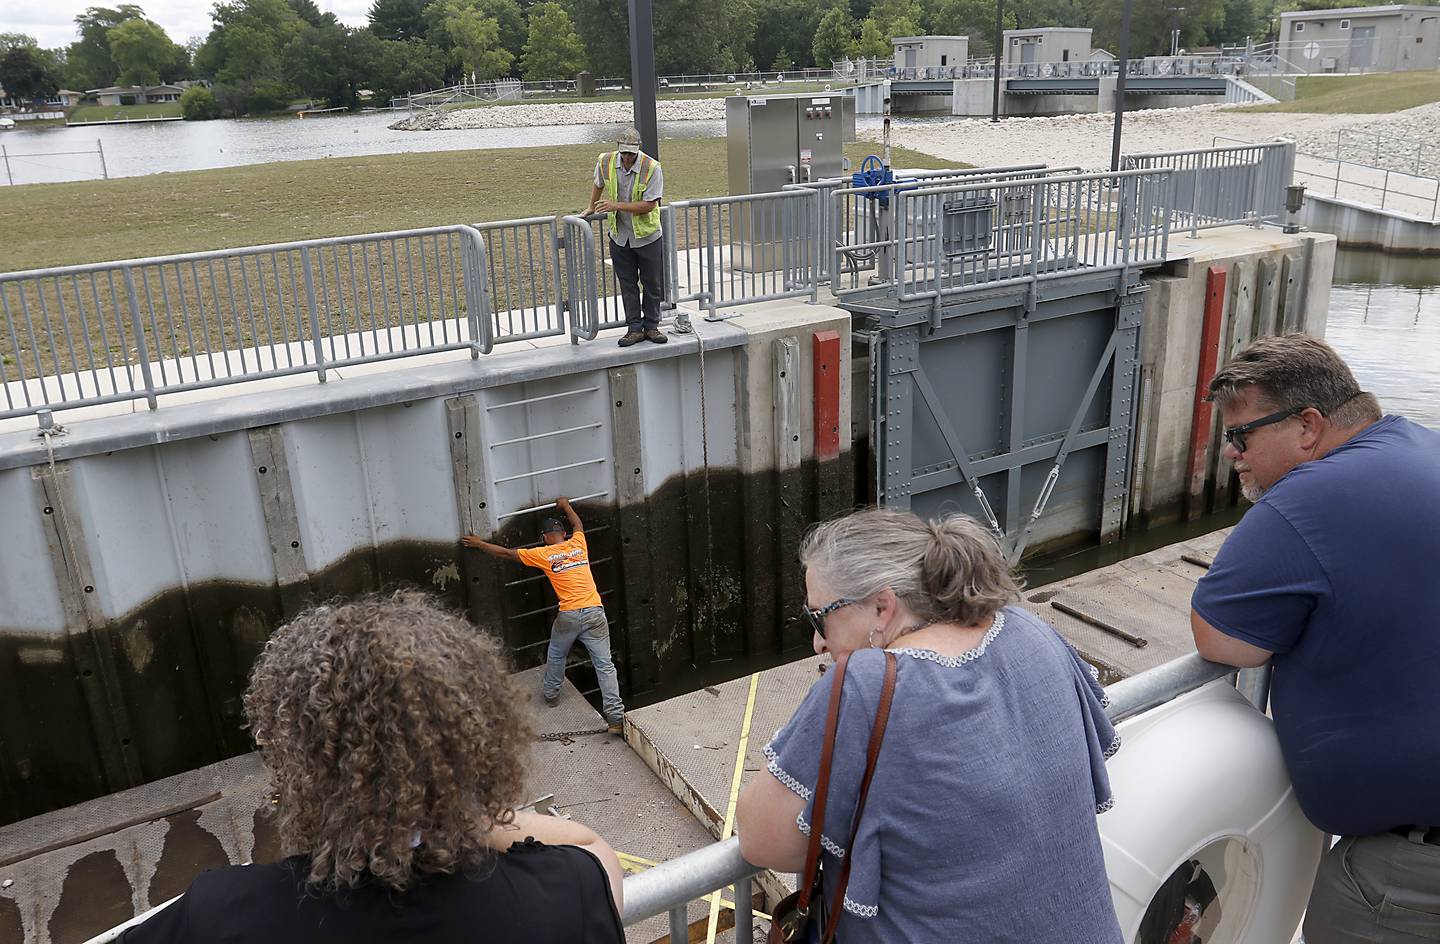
[[980, 822], [1334, 570]]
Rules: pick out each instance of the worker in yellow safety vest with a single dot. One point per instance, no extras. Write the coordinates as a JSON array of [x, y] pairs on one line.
[[628, 187]]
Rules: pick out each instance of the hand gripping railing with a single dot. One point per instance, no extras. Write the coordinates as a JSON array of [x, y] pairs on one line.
[[669, 887], [83, 335]]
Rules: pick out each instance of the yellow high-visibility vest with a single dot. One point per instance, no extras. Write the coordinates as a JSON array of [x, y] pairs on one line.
[[643, 223]]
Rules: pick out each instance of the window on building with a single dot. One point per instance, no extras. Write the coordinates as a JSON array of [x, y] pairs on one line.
[[1299, 27], [944, 60], [1065, 56], [1344, 24]]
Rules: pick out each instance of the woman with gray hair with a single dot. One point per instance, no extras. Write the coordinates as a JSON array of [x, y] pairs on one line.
[[979, 822]]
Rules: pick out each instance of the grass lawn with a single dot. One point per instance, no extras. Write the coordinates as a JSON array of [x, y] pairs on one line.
[[83, 113], [128, 217], [1360, 94]]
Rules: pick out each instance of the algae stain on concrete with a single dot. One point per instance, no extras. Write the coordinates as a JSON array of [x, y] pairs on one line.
[[139, 647], [442, 576]]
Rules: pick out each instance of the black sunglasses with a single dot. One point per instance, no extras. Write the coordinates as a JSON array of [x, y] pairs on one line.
[[816, 618], [1235, 435]]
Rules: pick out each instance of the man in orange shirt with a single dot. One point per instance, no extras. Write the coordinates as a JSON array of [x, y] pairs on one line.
[[566, 561]]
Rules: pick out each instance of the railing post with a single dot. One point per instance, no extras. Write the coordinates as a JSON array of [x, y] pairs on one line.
[[142, 348], [314, 312], [817, 234], [9, 177], [564, 298], [477, 295]]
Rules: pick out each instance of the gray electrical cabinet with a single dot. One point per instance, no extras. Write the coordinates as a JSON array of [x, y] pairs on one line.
[[774, 140]]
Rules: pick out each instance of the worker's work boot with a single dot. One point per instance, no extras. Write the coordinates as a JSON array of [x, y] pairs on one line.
[[632, 337], [656, 335]]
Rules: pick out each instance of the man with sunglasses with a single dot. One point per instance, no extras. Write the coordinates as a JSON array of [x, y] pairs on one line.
[[1331, 578], [566, 562]]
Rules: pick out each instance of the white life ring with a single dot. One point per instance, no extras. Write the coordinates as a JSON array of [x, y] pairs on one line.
[[1201, 780]]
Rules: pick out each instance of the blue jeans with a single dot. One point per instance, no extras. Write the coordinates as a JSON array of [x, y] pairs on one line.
[[591, 628]]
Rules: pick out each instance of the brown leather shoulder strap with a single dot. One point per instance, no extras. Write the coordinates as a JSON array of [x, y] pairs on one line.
[[822, 784], [877, 738]]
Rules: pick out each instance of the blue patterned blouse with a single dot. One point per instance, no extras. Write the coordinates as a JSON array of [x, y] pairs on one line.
[[980, 823]]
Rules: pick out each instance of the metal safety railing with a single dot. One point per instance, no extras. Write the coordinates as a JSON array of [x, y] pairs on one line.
[[526, 278], [1022, 226], [86, 335], [859, 224], [1224, 185], [670, 887], [744, 249], [93, 334]]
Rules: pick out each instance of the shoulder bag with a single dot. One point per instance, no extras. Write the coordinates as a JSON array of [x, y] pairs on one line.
[[791, 920]]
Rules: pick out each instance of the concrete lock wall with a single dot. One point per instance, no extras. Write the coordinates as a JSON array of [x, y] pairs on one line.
[[1274, 283], [1359, 226], [143, 570]]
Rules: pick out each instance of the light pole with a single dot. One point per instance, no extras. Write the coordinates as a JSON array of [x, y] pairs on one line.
[[642, 75], [999, 46], [1120, 83]]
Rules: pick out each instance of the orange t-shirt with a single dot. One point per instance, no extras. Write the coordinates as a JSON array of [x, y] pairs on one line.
[[567, 564]]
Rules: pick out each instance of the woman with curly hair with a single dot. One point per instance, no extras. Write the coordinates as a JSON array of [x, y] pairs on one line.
[[395, 741]]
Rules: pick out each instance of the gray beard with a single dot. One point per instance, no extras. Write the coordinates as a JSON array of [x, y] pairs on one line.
[[1252, 492]]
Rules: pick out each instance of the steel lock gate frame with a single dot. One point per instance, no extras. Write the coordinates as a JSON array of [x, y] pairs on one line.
[[902, 391]]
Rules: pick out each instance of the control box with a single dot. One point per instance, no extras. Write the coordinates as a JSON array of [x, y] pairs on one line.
[[774, 140]]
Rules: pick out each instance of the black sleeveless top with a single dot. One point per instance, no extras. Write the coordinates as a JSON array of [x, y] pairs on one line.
[[536, 894]]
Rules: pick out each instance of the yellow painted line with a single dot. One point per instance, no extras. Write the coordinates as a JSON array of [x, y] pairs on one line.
[[734, 795]]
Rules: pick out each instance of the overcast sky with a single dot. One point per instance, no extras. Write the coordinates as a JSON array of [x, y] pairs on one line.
[[52, 22]]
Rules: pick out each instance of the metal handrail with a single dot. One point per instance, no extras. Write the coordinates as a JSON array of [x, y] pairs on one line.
[[289, 289]]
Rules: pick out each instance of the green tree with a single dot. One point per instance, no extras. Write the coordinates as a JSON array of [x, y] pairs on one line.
[[1242, 21], [26, 75], [474, 37], [9, 41], [891, 14], [1151, 23], [782, 62], [789, 25], [874, 43], [406, 66], [88, 63], [141, 49], [553, 50], [973, 18], [835, 37], [197, 103], [604, 28], [245, 43], [399, 19]]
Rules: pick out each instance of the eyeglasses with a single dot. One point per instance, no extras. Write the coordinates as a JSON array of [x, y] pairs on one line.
[[1235, 435], [816, 618]]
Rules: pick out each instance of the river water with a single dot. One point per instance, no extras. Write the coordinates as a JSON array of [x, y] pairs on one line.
[[157, 147]]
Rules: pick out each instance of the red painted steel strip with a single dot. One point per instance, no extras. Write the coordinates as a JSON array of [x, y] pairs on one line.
[[825, 351], [1209, 358]]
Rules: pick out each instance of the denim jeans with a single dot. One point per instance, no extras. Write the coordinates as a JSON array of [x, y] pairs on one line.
[[591, 628], [1374, 889]]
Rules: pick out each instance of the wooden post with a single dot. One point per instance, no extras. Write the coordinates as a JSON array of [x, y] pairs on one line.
[[1202, 414]]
